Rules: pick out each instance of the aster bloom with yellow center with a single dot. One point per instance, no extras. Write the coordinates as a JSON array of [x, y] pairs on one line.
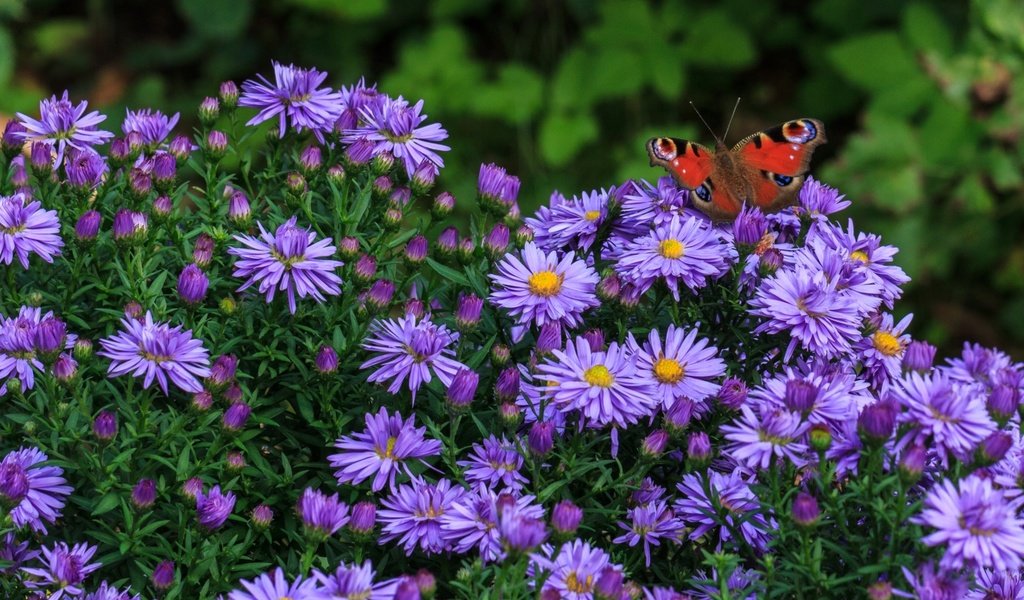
[[650, 524], [975, 523], [543, 288], [645, 205], [413, 514], [289, 260], [572, 224], [867, 255], [26, 228], [381, 450], [833, 392], [473, 520], [393, 125], [681, 367], [495, 461], [413, 349], [606, 387], [881, 352], [157, 351], [574, 570], [684, 251], [275, 586], [64, 125]]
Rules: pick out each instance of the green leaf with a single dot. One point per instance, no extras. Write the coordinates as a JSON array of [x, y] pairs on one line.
[[715, 39], [106, 504], [563, 135], [6, 56], [448, 273], [516, 95], [925, 29], [218, 19], [874, 61]]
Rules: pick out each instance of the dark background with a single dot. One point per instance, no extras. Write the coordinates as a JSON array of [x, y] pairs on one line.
[[923, 101]]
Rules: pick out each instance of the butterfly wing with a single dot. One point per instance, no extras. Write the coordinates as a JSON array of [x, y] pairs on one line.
[[688, 163], [779, 158]]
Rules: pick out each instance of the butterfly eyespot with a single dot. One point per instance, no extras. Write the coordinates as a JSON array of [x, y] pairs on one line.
[[782, 180], [664, 148], [801, 131], [702, 192]]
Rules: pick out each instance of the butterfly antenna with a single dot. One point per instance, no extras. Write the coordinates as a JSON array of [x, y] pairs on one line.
[[726, 136], [705, 122]]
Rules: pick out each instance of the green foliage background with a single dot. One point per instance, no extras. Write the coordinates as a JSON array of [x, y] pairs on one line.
[[924, 101]]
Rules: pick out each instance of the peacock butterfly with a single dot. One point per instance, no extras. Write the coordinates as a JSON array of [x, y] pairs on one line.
[[765, 169]]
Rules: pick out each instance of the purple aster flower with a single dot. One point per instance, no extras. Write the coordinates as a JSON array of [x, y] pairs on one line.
[[495, 461], [157, 351], [571, 224], [542, 288], [18, 353], [975, 523], [869, 256], [64, 569], [742, 583], [881, 353], [682, 367], [758, 437], [574, 570], [949, 417], [289, 260], [473, 520], [381, 450], [322, 514], [605, 387], [26, 228], [152, 126], [295, 98], [819, 200], [163, 575], [63, 124], [834, 394], [214, 508], [645, 206], [808, 307], [683, 251], [997, 585], [395, 127], [355, 582], [193, 284], [413, 514], [931, 584], [406, 348], [85, 168], [834, 265], [983, 365], [496, 187], [36, 494], [275, 586], [650, 523], [705, 495], [16, 553]]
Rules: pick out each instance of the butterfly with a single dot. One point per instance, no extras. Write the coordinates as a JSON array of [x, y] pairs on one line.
[[766, 169]]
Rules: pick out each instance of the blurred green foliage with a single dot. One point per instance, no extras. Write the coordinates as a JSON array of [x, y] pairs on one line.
[[923, 100]]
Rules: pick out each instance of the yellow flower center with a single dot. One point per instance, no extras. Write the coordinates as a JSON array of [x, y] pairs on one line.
[[592, 215], [573, 584], [886, 343], [668, 370], [860, 255], [545, 283], [599, 375], [13, 229], [671, 248], [157, 358], [389, 448]]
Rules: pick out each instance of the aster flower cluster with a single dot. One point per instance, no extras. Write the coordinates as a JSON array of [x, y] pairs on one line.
[[612, 398]]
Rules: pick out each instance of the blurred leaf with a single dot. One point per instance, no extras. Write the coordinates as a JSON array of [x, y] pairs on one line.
[[945, 137], [439, 69], [571, 82], [349, 9], [1006, 173], [1004, 19], [220, 19], [925, 29], [516, 96], [563, 135], [59, 36], [6, 56], [973, 195], [716, 40], [874, 61]]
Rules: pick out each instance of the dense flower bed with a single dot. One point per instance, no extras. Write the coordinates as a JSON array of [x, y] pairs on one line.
[[259, 362]]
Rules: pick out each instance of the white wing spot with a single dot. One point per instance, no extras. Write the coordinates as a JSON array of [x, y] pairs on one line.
[[791, 157], [795, 147]]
